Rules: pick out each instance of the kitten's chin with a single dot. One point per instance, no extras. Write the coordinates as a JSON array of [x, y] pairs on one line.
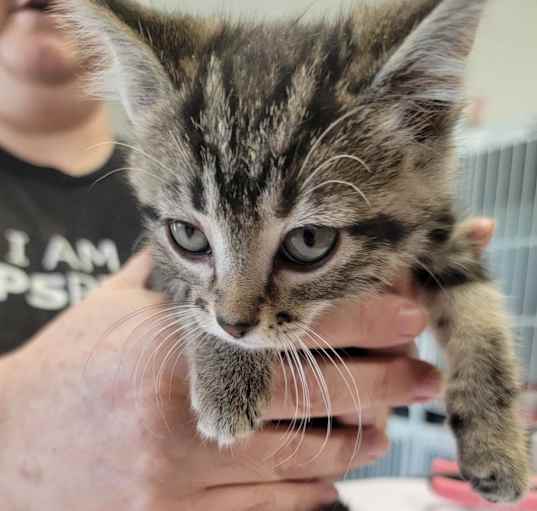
[[254, 343], [261, 339], [251, 342]]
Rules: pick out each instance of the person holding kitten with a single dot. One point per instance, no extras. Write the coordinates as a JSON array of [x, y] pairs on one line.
[[75, 432]]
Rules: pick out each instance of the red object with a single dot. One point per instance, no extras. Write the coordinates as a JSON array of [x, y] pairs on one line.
[[447, 482]]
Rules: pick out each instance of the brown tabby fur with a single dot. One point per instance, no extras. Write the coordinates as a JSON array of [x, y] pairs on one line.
[[249, 130]]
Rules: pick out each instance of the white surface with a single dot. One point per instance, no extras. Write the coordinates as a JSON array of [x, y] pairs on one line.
[[392, 495]]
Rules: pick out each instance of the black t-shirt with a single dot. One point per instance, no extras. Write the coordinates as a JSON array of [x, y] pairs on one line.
[[58, 236]]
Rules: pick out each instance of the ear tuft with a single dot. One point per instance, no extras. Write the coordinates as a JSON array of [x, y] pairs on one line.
[[429, 65], [115, 38]]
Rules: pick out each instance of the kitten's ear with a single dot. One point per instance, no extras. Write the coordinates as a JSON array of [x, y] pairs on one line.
[[429, 64], [125, 45]]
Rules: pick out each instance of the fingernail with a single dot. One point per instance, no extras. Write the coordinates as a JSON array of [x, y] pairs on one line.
[[411, 320], [429, 387], [374, 456], [377, 452], [378, 447]]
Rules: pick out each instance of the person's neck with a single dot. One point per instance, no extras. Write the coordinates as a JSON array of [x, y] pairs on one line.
[[75, 148]]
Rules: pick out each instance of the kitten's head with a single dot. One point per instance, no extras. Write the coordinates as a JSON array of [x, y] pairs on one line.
[[291, 164]]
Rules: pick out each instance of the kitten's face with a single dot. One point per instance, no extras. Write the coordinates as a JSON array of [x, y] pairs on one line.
[[263, 227], [290, 165], [262, 255]]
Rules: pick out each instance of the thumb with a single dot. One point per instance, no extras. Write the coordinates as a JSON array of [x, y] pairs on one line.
[[136, 271]]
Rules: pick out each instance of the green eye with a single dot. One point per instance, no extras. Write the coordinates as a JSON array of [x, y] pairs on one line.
[[189, 238], [310, 244]]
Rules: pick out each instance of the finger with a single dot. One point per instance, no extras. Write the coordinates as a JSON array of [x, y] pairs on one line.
[[268, 497], [406, 350], [136, 271], [388, 381], [377, 416], [404, 286], [275, 454], [481, 231], [379, 321]]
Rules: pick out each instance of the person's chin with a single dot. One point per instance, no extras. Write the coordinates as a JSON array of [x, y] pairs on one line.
[[33, 50]]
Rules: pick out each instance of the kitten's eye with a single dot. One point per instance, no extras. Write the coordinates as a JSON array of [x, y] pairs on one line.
[[310, 244], [189, 238]]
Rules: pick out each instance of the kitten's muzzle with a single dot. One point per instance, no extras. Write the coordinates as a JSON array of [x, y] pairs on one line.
[[236, 330]]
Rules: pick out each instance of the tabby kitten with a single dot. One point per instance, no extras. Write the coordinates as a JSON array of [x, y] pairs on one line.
[[291, 165]]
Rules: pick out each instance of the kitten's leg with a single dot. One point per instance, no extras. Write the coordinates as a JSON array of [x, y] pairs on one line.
[[230, 388], [469, 319]]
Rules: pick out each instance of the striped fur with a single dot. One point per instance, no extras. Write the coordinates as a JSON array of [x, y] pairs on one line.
[[250, 130]]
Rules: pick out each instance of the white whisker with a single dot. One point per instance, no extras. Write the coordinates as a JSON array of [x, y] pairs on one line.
[[162, 313], [114, 326], [285, 382], [138, 386], [306, 402], [344, 183], [188, 340], [175, 312], [136, 149], [157, 380], [124, 169], [332, 160], [354, 393], [291, 432], [325, 395], [134, 377], [326, 132]]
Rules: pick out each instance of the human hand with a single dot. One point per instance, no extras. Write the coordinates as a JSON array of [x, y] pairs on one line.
[[385, 368], [80, 432], [386, 326]]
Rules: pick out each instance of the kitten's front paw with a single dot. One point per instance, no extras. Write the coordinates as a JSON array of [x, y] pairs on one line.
[[225, 429], [226, 421], [498, 480], [496, 465], [230, 389]]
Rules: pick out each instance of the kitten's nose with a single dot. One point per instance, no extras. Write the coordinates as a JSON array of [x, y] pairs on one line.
[[237, 330]]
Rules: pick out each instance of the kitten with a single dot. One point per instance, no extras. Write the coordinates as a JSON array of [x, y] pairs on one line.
[[292, 165]]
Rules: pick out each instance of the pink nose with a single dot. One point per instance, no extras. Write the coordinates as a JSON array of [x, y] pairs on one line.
[[237, 330]]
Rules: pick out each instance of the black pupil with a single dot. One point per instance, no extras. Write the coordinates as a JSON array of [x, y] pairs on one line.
[[309, 238], [189, 231]]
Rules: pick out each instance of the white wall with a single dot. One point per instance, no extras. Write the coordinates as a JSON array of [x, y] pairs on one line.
[[503, 67]]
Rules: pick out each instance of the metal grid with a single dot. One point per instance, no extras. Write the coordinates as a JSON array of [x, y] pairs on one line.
[[508, 177], [498, 179]]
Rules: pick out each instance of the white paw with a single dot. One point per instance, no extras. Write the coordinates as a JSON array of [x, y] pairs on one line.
[[195, 402], [209, 430], [224, 431]]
